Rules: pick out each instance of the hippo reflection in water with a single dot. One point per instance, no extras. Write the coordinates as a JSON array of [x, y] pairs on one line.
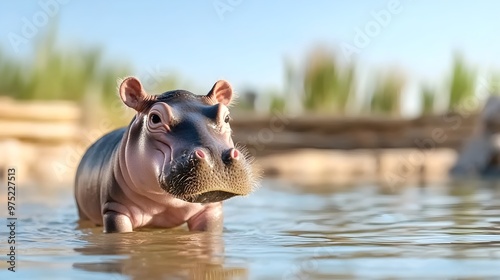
[[174, 164]]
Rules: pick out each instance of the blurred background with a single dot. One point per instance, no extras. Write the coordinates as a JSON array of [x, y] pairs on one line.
[[374, 123], [356, 89]]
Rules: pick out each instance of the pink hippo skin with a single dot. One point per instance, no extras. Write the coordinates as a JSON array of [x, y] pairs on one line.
[[174, 163]]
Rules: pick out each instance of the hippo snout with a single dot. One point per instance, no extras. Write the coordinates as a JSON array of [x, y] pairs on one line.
[[228, 156], [205, 176]]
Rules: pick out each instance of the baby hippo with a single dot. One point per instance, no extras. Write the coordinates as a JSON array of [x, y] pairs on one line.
[[175, 163]]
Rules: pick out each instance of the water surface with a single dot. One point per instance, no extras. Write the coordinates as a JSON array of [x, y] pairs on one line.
[[280, 232]]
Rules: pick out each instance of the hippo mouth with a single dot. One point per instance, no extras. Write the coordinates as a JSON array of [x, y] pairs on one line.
[[208, 179], [208, 197]]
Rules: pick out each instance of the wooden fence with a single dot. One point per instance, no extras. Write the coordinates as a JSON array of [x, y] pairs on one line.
[[264, 135], [61, 122], [39, 121], [47, 140]]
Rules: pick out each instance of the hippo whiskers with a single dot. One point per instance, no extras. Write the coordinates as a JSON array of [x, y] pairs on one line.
[[175, 163]]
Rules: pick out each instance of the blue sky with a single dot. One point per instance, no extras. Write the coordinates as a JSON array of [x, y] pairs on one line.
[[248, 43]]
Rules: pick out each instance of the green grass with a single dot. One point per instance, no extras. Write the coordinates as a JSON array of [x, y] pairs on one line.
[[462, 82], [63, 74], [323, 83], [386, 95], [328, 84]]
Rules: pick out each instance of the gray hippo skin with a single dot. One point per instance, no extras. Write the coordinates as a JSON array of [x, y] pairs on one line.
[[174, 164]]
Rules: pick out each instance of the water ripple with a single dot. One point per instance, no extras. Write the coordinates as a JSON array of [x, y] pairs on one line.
[[366, 232]]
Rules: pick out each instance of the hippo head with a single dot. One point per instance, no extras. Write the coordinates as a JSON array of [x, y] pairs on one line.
[[181, 142]]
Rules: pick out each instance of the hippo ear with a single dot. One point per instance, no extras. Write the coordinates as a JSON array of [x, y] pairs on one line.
[[221, 92], [133, 94]]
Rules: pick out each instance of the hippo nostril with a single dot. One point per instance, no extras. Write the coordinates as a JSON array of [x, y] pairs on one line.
[[234, 153], [230, 156], [200, 154]]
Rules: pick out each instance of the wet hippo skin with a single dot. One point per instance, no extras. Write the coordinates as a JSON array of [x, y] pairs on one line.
[[175, 163]]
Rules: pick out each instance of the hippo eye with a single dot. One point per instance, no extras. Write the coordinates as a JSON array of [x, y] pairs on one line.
[[227, 119], [155, 118]]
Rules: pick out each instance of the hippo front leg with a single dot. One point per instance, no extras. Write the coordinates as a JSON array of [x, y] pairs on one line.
[[116, 222], [209, 219]]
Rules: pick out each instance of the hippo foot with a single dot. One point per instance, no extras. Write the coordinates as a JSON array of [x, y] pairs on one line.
[[116, 222], [210, 219]]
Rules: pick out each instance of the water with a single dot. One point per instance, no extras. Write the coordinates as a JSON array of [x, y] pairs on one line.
[[280, 232]]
